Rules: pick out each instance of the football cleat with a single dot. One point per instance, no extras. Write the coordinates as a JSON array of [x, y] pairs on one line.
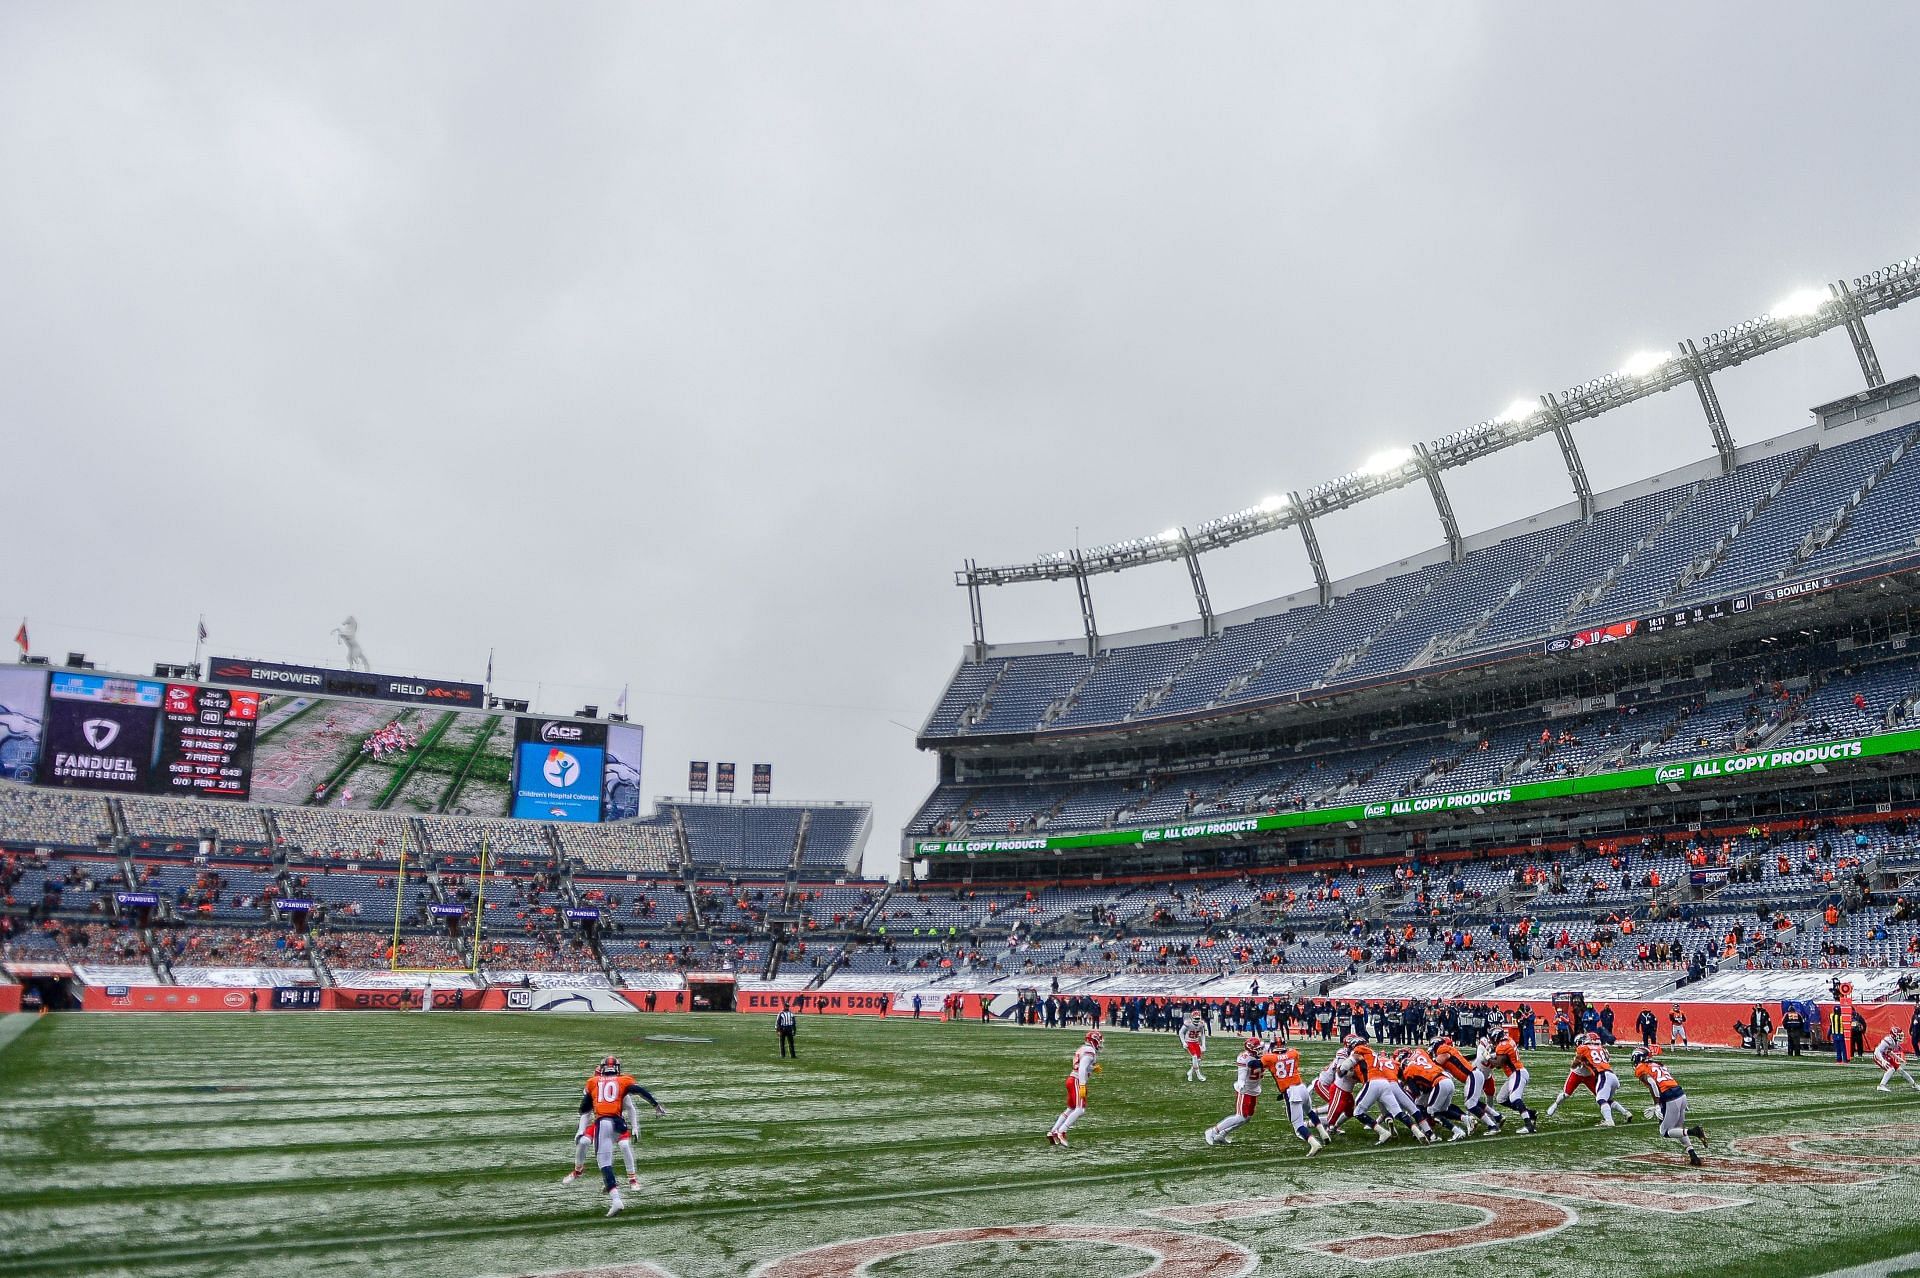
[[1698, 1132], [614, 1203], [633, 1182], [1693, 1156], [1209, 1137], [1060, 1139], [1459, 1133], [1313, 1146], [1386, 1134], [1883, 1088], [570, 1177]]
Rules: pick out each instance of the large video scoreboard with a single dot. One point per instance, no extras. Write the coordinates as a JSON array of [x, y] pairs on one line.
[[306, 736]]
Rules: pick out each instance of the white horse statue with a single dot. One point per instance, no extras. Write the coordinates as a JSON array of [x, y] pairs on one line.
[[348, 634]]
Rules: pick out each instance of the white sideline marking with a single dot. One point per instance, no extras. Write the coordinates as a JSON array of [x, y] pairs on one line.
[[14, 1024], [1879, 1268]]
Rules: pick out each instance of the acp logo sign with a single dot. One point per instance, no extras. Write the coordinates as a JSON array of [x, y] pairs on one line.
[[562, 732], [1670, 772]]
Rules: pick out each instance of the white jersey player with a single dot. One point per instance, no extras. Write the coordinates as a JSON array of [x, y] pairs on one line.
[[1250, 1068], [1193, 1036], [1892, 1060], [1086, 1063]]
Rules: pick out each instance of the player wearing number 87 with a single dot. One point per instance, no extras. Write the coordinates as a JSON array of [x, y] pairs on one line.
[[604, 1122]]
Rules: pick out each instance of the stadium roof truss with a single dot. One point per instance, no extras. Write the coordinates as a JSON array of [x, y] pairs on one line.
[[1805, 314]]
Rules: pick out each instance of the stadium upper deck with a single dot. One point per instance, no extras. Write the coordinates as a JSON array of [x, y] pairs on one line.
[[1809, 509]]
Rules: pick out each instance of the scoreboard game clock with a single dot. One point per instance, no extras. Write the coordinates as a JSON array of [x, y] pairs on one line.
[[206, 742]]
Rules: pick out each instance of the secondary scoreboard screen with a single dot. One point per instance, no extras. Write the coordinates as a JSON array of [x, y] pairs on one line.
[[206, 742]]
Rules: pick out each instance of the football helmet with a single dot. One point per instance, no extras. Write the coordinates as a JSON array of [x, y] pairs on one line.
[[1254, 1044], [1095, 1037], [1641, 1056], [611, 1065]]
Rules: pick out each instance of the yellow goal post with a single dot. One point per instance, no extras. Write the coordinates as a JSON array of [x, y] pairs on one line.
[[399, 915]]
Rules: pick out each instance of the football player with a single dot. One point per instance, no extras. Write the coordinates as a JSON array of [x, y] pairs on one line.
[[1431, 1088], [1250, 1067], [1086, 1063], [1503, 1055], [1383, 1092], [1193, 1035], [604, 1109], [1669, 1107], [1472, 1076], [1892, 1060], [1284, 1065], [1678, 1020], [1594, 1071]]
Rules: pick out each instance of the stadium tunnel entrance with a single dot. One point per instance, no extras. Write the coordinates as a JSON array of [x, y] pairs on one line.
[[710, 992]]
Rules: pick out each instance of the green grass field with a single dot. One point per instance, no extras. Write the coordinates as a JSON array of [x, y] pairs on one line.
[[434, 1145]]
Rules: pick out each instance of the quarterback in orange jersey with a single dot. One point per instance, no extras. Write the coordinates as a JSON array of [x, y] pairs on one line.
[[1086, 1063], [1505, 1056], [604, 1121], [1593, 1070], [1669, 1106]]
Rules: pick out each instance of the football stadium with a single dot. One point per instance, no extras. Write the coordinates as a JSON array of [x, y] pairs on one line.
[[1620, 802], [1540, 897]]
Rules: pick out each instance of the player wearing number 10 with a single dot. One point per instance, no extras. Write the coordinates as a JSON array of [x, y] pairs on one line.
[[604, 1121]]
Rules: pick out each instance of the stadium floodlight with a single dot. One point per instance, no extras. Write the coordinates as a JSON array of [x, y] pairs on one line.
[[1171, 534], [1803, 314], [1798, 305], [1643, 362], [1386, 461]]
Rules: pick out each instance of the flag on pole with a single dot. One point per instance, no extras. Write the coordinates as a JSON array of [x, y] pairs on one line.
[[489, 667], [20, 635], [623, 698], [202, 637]]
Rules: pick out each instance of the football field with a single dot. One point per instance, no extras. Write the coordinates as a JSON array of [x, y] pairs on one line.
[[409, 1144]]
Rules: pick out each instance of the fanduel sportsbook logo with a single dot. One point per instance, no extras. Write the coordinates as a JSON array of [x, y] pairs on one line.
[[561, 732], [562, 769], [100, 733]]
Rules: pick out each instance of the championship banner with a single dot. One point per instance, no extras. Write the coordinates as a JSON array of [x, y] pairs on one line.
[[697, 777], [763, 778], [320, 682], [723, 778], [1719, 768]]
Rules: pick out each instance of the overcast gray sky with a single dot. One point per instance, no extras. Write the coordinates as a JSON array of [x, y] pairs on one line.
[[695, 347]]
